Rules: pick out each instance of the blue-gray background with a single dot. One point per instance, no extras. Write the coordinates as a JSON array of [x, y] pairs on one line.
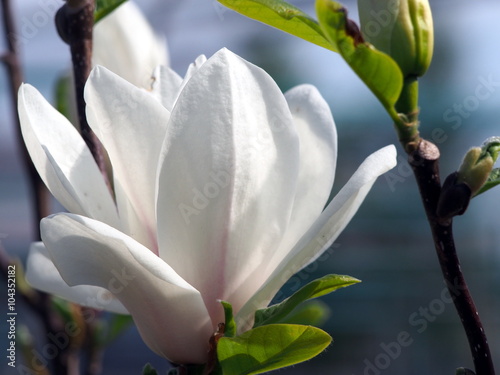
[[387, 245]]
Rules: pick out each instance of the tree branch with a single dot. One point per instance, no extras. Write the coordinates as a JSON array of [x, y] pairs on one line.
[[75, 22], [425, 164]]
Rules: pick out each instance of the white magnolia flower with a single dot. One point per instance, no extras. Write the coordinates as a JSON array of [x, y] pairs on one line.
[[220, 183], [125, 43]]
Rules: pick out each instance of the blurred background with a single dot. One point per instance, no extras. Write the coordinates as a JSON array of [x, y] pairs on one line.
[[388, 244]]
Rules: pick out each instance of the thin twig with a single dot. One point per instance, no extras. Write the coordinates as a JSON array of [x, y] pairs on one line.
[[75, 22], [425, 164]]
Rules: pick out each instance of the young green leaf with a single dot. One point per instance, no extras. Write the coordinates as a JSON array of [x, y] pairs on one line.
[[317, 288], [376, 69], [269, 348], [283, 16], [230, 324], [104, 7], [312, 313], [492, 181]]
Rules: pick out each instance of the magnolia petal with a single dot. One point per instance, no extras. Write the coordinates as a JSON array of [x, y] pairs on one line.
[[131, 126], [43, 275], [192, 69], [324, 231], [140, 229], [88, 252], [318, 158], [136, 50], [166, 86], [226, 185], [62, 159]]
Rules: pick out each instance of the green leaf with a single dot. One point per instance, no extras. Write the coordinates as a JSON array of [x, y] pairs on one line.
[[63, 308], [117, 324], [65, 98], [316, 288], [492, 181], [149, 370], [490, 148], [376, 69], [104, 7], [283, 16], [269, 348], [311, 313], [230, 324]]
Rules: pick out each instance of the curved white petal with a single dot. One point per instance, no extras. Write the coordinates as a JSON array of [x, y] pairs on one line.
[[193, 68], [168, 312], [166, 86], [324, 231], [125, 43], [318, 158], [227, 180], [131, 125], [62, 159], [42, 274]]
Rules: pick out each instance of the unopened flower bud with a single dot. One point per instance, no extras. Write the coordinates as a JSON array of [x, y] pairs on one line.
[[478, 164], [475, 170], [461, 186], [401, 28]]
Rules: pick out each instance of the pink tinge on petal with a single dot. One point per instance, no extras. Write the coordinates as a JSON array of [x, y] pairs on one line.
[[227, 178]]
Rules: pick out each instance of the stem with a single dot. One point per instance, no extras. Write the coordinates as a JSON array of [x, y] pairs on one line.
[[39, 194], [408, 99], [425, 164], [407, 104], [75, 22]]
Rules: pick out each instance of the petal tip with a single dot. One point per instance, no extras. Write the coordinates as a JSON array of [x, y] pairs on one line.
[[391, 154]]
